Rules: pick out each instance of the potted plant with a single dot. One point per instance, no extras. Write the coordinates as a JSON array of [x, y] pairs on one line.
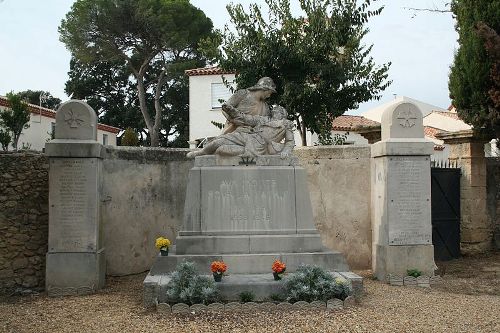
[[278, 269], [162, 244], [218, 268]]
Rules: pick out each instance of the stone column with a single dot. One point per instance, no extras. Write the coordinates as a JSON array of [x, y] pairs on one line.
[[476, 230], [75, 258], [401, 195]]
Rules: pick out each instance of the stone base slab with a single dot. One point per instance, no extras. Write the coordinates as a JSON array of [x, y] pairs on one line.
[[396, 260], [264, 160], [261, 285], [241, 244], [252, 263], [75, 273]]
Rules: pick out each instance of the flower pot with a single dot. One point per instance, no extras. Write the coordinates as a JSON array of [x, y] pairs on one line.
[[276, 276], [217, 277], [164, 253]]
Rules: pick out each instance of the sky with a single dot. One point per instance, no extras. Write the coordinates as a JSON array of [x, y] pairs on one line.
[[420, 46]]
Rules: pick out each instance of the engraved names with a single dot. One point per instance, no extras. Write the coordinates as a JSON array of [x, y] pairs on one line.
[[73, 204], [409, 208]]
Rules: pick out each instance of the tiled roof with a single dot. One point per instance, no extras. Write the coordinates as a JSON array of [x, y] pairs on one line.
[[35, 109], [449, 114], [207, 71], [349, 123], [431, 131]]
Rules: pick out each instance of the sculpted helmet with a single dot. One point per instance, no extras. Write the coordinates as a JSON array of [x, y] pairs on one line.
[[265, 83]]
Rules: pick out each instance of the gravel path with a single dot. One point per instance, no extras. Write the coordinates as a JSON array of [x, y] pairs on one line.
[[384, 309]]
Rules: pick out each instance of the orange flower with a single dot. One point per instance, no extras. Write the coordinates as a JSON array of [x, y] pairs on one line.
[[218, 267], [279, 267]]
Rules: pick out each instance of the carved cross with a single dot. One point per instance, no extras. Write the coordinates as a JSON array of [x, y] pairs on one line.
[[72, 119], [407, 118]]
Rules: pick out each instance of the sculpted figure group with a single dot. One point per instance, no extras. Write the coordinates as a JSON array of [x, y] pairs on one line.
[[252, 127]]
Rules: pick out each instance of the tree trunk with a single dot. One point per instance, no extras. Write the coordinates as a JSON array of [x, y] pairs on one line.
[[303, 134], [144, 110]]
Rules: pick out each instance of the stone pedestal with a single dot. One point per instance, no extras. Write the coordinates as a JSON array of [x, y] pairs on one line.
[[247, 213], [401, 195], [75, 261]]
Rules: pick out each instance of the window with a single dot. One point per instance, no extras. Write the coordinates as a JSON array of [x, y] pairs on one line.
[[219, 92], [105, 139], [52, 130]]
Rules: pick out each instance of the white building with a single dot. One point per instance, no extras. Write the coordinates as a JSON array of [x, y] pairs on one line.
[[42, 124], [206, 90]]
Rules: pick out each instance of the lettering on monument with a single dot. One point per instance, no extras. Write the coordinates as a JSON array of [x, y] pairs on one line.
[[249, 204], [409, 206], [73, 205]]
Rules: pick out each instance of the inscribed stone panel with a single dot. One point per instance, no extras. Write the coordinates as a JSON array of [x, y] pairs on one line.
[[73, 204], [409, 201]]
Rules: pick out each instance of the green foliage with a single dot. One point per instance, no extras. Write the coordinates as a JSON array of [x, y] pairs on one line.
[[246, 296], [470, 77], [318, 62], [129, 138], [33, 97], [4, 138], [145, 45], [15, 118], [277, 297], [312, 283], [337, 140], [187, 286], [413, 272]]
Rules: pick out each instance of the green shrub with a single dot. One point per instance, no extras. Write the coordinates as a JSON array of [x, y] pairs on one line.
[[414, 272], [246, 296], [187, 286], [277, 297], [313, 283], [129, 138]]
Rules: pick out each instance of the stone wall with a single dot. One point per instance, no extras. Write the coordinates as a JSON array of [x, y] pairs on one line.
[[143, 198], [339, 184], [144, 192], [23, 220], [493, 197]]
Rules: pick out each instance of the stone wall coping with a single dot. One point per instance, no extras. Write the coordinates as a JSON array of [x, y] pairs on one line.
[[464, 136], [145, 154], [73, 148], [402, 147], [333, 152]]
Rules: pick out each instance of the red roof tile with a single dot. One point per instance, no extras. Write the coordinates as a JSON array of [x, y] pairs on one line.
[[35, 109], [452, 115], [349, 123], [431, 131], [207, 71]]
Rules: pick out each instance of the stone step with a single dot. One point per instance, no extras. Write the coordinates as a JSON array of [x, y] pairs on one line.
[[252, 263], [240, 244], [261, 285]]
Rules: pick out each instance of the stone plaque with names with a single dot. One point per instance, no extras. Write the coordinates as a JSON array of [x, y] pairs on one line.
[[261, 200], [409, 200], [73, 205]]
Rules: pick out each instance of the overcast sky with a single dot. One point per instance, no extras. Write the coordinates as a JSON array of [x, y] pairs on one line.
[[420, 48]]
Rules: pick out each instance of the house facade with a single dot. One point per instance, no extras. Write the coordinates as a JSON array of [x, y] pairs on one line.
[[42, 125]]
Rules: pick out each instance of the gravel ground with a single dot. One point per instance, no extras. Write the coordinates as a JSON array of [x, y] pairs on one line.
[[468, 300]]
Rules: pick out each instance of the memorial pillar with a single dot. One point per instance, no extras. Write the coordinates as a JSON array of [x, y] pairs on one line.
[[75, 258], [401, 195]]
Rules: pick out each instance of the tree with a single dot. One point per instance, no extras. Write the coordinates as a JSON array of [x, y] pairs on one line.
[[129, 138], [34, 96], [320, 67], [474, 80], [147, 35], [15, 118], [4, 138]]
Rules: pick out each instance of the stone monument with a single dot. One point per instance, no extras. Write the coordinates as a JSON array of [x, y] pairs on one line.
[[75, 258], [401, 195], [247, 204]]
